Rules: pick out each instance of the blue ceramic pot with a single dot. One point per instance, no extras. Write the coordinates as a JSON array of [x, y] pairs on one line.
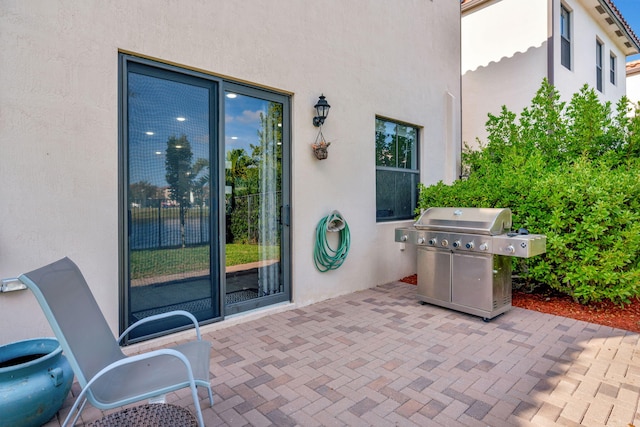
[[35, 379]]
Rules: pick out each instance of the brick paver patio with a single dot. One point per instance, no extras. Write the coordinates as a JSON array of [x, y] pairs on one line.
[[379, 358]]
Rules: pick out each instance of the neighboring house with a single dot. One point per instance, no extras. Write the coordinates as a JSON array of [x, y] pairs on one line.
[[106, 105], [633, 82], [509, 46]]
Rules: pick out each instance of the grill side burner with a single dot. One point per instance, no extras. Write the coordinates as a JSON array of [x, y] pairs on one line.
[[464, 255]]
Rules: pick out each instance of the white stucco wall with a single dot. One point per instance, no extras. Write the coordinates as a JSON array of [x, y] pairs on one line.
[[504, 58], [59, 122], [633, 83], [501, 28]]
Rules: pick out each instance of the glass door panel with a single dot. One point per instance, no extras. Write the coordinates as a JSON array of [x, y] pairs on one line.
[[253, 196], [171, 218]]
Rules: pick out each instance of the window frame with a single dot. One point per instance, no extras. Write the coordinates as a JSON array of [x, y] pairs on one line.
[[414, 170]]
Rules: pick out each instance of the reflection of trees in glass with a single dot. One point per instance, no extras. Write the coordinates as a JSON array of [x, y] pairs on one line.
[[269, 153], [384, 147], [188, 187], [179, 176], [255, 178], [236, 179], [142, 193], [236, 174], [395, 145]]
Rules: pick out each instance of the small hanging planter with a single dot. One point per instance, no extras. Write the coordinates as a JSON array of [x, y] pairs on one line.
[[320, 146]]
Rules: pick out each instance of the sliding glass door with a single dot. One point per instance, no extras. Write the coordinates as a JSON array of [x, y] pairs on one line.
[[171, 137], [254, 137], [205, 221]]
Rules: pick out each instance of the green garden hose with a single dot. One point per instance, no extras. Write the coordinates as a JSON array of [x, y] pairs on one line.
[[324, 256]]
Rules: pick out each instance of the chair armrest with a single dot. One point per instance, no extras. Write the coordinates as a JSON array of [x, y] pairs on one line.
[[162, 316]]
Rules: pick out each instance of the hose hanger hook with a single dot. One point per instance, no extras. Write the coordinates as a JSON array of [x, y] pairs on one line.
[[336, 222]]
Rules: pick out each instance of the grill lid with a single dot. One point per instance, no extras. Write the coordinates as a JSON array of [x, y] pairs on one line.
[[491, 221]]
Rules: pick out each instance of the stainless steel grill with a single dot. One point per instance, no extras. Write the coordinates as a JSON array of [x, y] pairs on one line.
[[463, 257]]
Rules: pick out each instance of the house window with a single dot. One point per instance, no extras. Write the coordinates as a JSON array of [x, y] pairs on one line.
[[599, 49], [612, 68], [565, 37], [397, 174]]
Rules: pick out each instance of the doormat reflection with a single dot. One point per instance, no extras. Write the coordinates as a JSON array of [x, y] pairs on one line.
[[199, 305], [239, 296]]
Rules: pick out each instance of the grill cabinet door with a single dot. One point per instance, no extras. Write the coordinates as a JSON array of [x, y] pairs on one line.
[[434, 273], [472, 281]]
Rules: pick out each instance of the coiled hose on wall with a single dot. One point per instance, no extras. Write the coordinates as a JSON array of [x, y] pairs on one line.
[[324, 256]]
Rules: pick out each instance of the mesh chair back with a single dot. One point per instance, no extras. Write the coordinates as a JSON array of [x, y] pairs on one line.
[[75, 317]]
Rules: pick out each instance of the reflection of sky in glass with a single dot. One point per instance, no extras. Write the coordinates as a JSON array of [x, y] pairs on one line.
[[242, 121], [157, 108]]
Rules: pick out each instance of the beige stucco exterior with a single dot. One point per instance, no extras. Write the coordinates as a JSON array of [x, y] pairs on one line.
[[633, 82], [59, 122], [510, 46]]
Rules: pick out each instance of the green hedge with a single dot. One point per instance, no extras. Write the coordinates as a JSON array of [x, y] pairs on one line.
[[571, 172]]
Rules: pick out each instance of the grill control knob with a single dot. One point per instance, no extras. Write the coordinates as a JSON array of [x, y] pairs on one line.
[[483, 247], [433, 241], [469, 245], [421, 240], [456, 244], [444, 242], [510, 249], [404, 238]]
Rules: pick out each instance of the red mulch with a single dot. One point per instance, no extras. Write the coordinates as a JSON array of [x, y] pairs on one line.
[[603, 313]]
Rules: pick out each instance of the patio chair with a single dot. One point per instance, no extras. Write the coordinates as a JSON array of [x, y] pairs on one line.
[[108, 377]]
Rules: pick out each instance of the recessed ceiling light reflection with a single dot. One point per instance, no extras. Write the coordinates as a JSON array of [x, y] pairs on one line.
[[158, 152], [234, 137], [232, 95], [149, 133], [178, 146], [180, 119]]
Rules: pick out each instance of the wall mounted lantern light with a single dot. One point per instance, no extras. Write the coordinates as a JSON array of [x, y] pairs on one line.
[[322, 111]]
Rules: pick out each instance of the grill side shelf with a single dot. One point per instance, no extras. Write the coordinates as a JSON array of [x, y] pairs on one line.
[[521, 246]]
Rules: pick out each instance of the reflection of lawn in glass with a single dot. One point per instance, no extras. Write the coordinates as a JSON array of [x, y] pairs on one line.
[[152, 263]]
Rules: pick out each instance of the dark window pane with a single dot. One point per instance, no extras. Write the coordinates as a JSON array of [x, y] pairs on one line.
[[396, 194], [565, 54], [612, 69], [599, 65]]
